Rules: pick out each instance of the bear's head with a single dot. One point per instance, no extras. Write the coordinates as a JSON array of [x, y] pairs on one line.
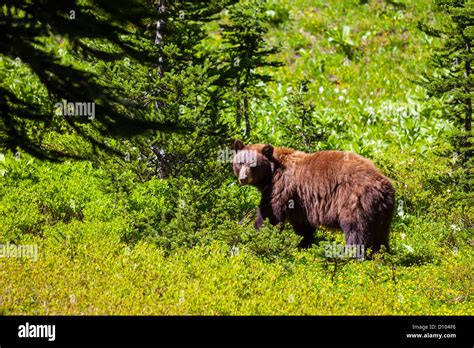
[[253, 164]]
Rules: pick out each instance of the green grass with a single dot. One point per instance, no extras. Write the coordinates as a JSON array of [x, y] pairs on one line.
[[84, 265], [105, 276]]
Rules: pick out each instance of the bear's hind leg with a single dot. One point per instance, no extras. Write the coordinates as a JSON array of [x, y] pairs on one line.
[[383, 231], [357, 231]]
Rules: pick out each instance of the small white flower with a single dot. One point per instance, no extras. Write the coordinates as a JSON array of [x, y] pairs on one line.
[[181, 297], [403, 235], [321, 90], [344, 91], [336, 90], [270, 13], [341, 97]]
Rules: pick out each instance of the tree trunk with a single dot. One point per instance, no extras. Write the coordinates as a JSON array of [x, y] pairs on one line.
[[246, 115], [160, 28], [238, 104]]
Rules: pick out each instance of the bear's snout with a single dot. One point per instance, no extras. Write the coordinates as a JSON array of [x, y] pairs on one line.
[[244, 175]]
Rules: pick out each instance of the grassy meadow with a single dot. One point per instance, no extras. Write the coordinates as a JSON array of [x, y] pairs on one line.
[[109, 243]]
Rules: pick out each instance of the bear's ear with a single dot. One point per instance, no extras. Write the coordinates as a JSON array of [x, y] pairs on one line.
[[238, 145], [267, 151]]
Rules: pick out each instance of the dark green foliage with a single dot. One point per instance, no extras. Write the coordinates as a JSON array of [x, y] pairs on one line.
[[105, 40], [453, 78], [196, 87], [302, 126], [245, 51], [269, 242]]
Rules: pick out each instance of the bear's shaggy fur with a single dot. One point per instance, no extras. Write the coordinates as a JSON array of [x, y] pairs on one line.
[[327, 188]]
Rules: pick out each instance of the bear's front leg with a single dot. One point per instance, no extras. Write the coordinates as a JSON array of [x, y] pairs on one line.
[[275, 215]]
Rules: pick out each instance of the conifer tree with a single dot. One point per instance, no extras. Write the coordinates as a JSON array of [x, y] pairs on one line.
[[93, 52], [246, 50], [452, 77]]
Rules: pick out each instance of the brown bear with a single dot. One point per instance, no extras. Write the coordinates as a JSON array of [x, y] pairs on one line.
[[335, 189]]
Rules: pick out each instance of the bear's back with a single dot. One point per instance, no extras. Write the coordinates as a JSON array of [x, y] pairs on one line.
[[332, 163]]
